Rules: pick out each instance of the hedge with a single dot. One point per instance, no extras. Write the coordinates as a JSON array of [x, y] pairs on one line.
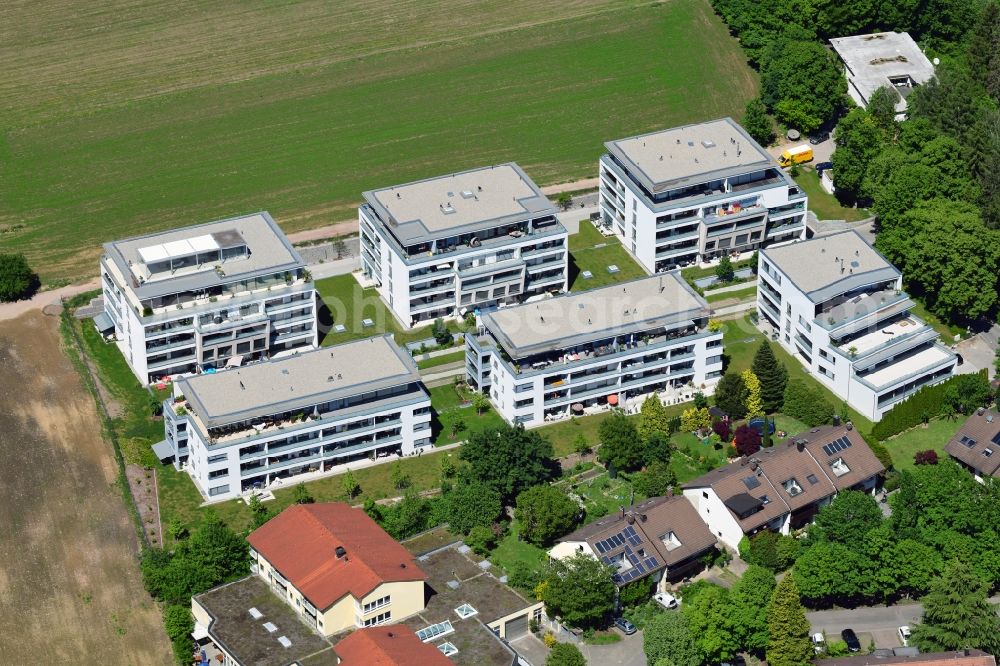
[[919, 408]]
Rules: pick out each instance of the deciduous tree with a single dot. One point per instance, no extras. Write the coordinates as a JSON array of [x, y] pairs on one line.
[[508, 459], [17, 280], [621, 444], [471, 503], [849, 517], [669, 636], [757, 123], [545, 514], [747, 441], [579, 590], [754, 405], [565, 654], [750, 598], [653, 417]]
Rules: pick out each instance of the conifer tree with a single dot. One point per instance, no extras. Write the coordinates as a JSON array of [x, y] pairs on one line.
[[754, 405], [787, 627], [773, 377], [957, 614]]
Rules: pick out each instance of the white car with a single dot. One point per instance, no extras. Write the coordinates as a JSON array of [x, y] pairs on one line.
[[667, 600], [904, 635], [819, 642]]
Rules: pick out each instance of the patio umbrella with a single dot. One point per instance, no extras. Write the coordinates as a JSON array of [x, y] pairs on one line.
[[612, 399], [577, 407]]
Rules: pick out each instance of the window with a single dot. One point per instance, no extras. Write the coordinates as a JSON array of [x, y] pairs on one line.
[[219, 473], [792, 487], [373, 605], [218, 490], [466, 611], [217, 458], [987, 452], [381, 618], [670, 540], [447, 649], [704, 494], [812, 479], [839, 467], [765, 499], [435, 630]]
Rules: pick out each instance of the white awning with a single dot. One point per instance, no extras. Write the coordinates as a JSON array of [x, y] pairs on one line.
[[235, 361]]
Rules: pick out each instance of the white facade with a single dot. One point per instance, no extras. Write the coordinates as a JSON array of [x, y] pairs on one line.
[[713, 511], [259, 443], [449, 245], [662, 348], [694, 193], [203, 297], [839, 308]]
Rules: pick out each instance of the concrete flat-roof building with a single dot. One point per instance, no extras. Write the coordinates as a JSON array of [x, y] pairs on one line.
[[443, 246], [838, 306], [883, 60], [203, 297], [694, 193], [470, 615], [250, 427], [585, 351]]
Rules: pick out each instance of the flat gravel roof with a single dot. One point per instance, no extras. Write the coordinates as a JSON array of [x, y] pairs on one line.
[[460, 203], [690, 154], [577, 318]]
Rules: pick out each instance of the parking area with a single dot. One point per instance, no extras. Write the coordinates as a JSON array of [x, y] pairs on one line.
[[626, 652]]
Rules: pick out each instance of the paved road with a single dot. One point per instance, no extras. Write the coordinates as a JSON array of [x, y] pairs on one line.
[[868, 618]]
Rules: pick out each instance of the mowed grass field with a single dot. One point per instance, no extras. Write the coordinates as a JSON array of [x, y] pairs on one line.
[[141, 115]]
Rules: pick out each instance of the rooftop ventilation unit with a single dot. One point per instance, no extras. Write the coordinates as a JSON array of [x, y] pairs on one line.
[[708, 143], [467, 194], [340, 552]]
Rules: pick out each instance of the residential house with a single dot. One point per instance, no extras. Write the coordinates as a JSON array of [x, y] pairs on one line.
[[582, 351], [956, 658], [839, 308], [445, 246], [976, 445], [781, 488], [206, 297], [247, 428], [337, 568], [662, 537], [697, 192]]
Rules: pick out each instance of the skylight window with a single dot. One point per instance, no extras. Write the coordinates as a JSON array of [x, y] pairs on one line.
[[792, 487], [987, 452], [839, 467], [670, 541], [812, 479], [447, 649], [435, 630], [466, 611]]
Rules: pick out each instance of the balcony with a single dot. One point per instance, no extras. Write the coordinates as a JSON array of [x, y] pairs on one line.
[[862, 311]]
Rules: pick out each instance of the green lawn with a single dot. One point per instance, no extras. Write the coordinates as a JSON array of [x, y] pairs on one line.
[[934, 436], [748, 294], [945, 330], [591, 251], [741, 339], [443, 359], [511, 550], [454, 420], [826, 205], [145, 116], [348, 304], [693, 273]]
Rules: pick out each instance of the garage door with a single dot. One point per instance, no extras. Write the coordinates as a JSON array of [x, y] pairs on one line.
[[516, 628]]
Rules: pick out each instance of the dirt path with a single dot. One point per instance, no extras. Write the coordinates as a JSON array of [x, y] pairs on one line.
[[69, 579]]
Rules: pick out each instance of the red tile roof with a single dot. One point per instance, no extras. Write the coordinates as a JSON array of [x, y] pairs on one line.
[[393, 645], [957, 658], [301, 543]]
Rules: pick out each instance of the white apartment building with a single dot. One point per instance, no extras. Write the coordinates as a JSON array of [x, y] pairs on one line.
[[839, 308], [540, 361], [445, 246], [245, 428], [693, 193], [206, 297]]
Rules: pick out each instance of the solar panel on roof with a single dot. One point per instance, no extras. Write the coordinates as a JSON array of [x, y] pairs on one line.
[[827, 450], [751, 482], [606, 559], [996, 438], [652, 562], [639, 568]]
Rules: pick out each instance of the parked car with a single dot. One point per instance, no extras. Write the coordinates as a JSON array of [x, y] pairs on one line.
[[904, 635], [823, 166], [818, 137], [627, 627], [851, 638], [667, 600], [819, 643]]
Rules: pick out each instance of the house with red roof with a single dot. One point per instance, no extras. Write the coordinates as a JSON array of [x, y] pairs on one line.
[[337, 568], [396, 645]]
